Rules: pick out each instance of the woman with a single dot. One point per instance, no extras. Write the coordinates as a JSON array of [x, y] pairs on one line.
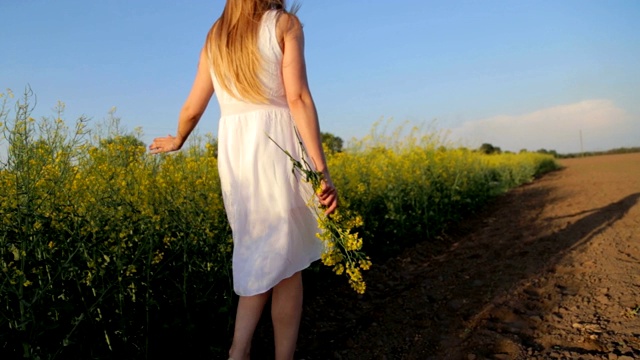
[[254, 59]]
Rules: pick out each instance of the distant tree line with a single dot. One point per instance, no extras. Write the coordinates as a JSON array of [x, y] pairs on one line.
[[621, 150], [488, 149]]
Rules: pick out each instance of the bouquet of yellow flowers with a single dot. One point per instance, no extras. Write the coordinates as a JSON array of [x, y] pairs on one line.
[[342, 247]]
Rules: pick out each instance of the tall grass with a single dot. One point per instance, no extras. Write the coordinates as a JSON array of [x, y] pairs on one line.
[[107, 251]]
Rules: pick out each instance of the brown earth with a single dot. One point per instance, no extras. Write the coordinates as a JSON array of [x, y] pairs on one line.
[[550, 270]]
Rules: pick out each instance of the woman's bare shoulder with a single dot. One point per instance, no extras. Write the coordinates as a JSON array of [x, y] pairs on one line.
[[288, 27], [288, 23]]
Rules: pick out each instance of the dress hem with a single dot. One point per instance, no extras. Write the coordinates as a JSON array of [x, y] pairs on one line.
[[282, 278]]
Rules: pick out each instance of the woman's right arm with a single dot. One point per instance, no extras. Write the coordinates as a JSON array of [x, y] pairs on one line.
[[301, 103], [192, 110]]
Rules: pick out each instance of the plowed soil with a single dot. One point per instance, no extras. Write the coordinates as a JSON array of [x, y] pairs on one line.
[[550, 270]]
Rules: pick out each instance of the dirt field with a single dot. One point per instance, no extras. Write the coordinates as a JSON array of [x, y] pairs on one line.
[[550, 270]]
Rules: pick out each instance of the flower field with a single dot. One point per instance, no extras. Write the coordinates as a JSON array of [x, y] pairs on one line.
[[107, 250]]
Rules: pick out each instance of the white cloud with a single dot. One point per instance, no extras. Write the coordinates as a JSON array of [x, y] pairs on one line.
[[603, 126]]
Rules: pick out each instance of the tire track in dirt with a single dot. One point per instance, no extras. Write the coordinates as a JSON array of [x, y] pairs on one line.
[[550, 270]]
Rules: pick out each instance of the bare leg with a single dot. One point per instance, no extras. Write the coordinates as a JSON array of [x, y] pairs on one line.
[[247, 317], [286, 311]]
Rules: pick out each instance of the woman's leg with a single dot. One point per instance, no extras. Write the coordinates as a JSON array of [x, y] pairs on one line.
[[286, 311], [247, 317]]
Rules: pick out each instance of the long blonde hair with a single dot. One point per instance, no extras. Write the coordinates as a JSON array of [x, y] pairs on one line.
[[233, 48]]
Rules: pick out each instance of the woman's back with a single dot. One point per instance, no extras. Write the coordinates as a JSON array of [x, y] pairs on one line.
[[273, 228], [270, 78]]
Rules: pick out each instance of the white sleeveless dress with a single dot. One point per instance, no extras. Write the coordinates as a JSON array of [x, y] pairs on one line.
[[273, 228]]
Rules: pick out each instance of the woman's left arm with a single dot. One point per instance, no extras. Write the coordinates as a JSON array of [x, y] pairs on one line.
[[192, 110]]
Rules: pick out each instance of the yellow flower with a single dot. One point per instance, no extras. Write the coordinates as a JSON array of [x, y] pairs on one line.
[[16, 253], [365, 264], [131, 269], [338, 269], [157, 257]]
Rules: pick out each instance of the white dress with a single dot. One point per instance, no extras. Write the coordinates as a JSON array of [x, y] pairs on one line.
[[273, 228]]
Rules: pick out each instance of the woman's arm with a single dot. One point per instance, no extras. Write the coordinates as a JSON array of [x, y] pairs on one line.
[[192, 110], [301, 103]]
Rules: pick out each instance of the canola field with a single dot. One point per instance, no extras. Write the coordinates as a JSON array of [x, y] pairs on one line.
[[102, 244]]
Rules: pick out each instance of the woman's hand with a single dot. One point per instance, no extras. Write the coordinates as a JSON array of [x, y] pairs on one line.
[[328, 196], [163, 145]]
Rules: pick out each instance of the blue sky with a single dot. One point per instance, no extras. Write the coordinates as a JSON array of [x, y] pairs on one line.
[[517, 74]]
